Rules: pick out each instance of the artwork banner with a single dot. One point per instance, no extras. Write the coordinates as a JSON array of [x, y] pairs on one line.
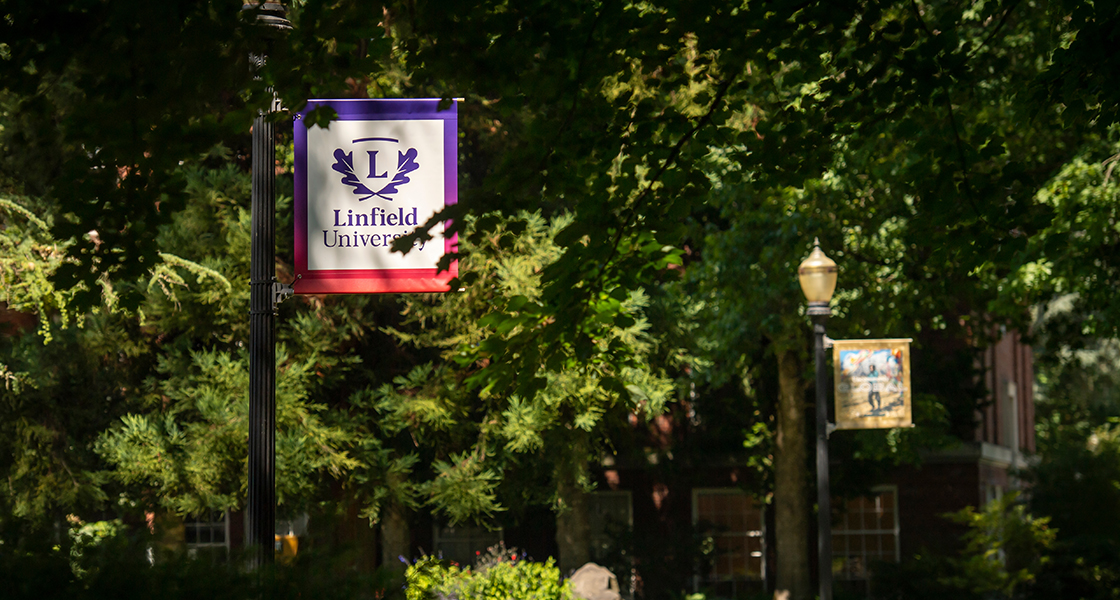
[[872, 383], [379, 172]]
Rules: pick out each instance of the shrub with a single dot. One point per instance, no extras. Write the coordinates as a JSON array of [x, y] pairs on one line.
[[1006, 549], [101, 561], [433, 579]]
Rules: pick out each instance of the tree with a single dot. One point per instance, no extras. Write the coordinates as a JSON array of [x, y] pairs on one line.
[[146, 408], [925, 165], [564, 427], [105, 100], [48, 464], [1075, 480], [746, 274]]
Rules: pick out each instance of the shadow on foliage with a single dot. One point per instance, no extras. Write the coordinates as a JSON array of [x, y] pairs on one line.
[[129, 565]]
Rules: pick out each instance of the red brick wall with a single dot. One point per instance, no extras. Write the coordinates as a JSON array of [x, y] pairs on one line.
[[925, 494], [1008, 361]]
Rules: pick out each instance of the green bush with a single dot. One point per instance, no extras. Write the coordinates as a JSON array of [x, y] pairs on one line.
[[1006, 549], [433, 579], [105, 561]]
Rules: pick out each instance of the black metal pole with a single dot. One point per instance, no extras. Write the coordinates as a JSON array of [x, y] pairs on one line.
[[262, 319], [824, 513], [262, 347]]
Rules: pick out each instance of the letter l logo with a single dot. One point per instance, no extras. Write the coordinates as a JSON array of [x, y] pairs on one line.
[[373, 165]]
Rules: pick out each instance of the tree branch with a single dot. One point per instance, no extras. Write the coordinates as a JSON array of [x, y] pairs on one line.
[[1002, 20], [669, 161]]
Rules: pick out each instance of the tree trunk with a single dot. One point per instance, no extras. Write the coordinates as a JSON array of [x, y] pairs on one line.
[[394, 537], [791, 490], [573, 526]]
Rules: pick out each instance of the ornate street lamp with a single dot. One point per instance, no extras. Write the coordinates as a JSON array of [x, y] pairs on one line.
[[817, 275]]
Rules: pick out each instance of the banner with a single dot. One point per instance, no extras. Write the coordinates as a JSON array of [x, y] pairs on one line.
[[375, 174], [872, 383]]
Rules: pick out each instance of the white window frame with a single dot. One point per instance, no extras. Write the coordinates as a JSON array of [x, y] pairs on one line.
[[895, 531], [197, 523], [759, 533]]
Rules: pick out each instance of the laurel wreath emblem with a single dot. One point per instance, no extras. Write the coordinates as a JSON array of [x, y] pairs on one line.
[[344, 164]]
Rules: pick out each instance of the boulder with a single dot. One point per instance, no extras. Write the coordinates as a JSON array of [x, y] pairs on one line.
[[592, 582]]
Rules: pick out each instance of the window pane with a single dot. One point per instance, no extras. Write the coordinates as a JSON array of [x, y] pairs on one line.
[[733, 523], [887, 544], [464, 544], [864, 535]]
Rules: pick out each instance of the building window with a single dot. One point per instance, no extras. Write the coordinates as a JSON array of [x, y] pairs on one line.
[[610, 515], [207, 533], [1011, 416], [464, 544], [731, 528], [866, 533]]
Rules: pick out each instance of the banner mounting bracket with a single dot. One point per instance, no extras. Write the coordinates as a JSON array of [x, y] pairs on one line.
[[281, 292]]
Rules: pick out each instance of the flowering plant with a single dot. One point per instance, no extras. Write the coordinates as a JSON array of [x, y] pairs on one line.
[[499, 575]]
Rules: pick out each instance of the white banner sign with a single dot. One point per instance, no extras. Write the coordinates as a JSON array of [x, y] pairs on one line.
[[374, 175]]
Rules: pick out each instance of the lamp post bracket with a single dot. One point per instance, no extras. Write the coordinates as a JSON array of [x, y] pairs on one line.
[[281, 292]]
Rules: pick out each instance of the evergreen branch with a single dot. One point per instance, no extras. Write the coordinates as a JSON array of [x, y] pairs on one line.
[[12, 381], [15, 207], [197, 269]]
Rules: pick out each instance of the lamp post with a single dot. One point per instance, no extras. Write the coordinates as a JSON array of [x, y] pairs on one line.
[[263, 294], [817, 275]]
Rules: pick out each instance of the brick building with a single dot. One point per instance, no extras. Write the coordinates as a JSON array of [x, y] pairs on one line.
[[703, 500]]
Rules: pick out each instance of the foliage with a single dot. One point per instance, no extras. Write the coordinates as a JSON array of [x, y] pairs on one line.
[[577, 401], [497, 554], [87, 537], [613, 109], [912, 107], [169, 378], [948, 155], [66, 393], [1077, 483], [1081, 461], [752, 307], [29, 256], [1065, 263], [430, 577], [121, 566], [1073, 75], [924, 576], [1005, 547], [148, 405], [1007, 550], [105, 100], [183, 446], [193, 451]]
